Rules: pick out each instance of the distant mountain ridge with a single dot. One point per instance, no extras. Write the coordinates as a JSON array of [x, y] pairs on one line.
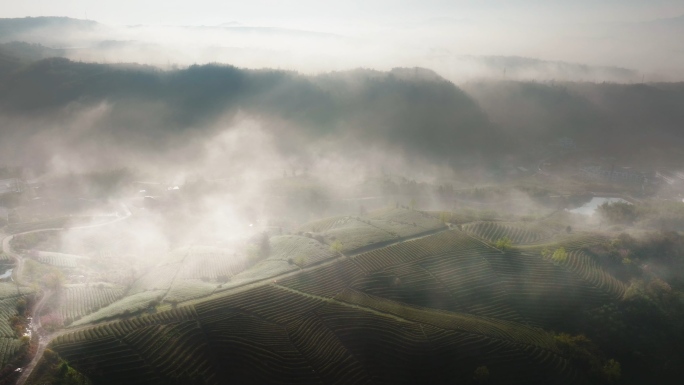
[[11, 27], [15, 55], [514, 67], [411, 112], [102, 43], [408, 111]]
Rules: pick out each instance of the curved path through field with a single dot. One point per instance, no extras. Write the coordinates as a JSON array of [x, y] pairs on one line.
[[47, 294]]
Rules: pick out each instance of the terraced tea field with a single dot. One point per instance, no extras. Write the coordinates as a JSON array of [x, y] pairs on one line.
[[293, 247], [407, 217], [10, 295], [354, 234], [8, 349], [275, 335], [454, 272], [433, 309], [518, 233], [187, 289], [157, 278], [322, 225], [387, 225], [8, 309], [576, 241], [77, 301], [129, 304], [58, 259], [261, 271], [210, 263]]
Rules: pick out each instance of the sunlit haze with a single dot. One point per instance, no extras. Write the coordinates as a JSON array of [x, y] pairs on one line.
[[315, 36], [341, 192]]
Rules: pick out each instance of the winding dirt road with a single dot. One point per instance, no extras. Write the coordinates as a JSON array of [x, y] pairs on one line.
[[43, 341]]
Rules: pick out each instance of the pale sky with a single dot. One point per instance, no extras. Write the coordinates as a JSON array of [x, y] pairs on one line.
[[331, 14], [377, 34]]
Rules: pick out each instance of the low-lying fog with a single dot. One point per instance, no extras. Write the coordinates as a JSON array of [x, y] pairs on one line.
[[215, 152]]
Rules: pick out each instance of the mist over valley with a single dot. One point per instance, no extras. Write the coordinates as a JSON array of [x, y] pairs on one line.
[[448, 194]]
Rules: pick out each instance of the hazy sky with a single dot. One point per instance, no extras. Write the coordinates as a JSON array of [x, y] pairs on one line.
[[319, 14], [377, 34]]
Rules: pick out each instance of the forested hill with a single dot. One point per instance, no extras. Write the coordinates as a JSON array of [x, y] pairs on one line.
[[16, 54], [408, 111], [411, 110], [618, 118]]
